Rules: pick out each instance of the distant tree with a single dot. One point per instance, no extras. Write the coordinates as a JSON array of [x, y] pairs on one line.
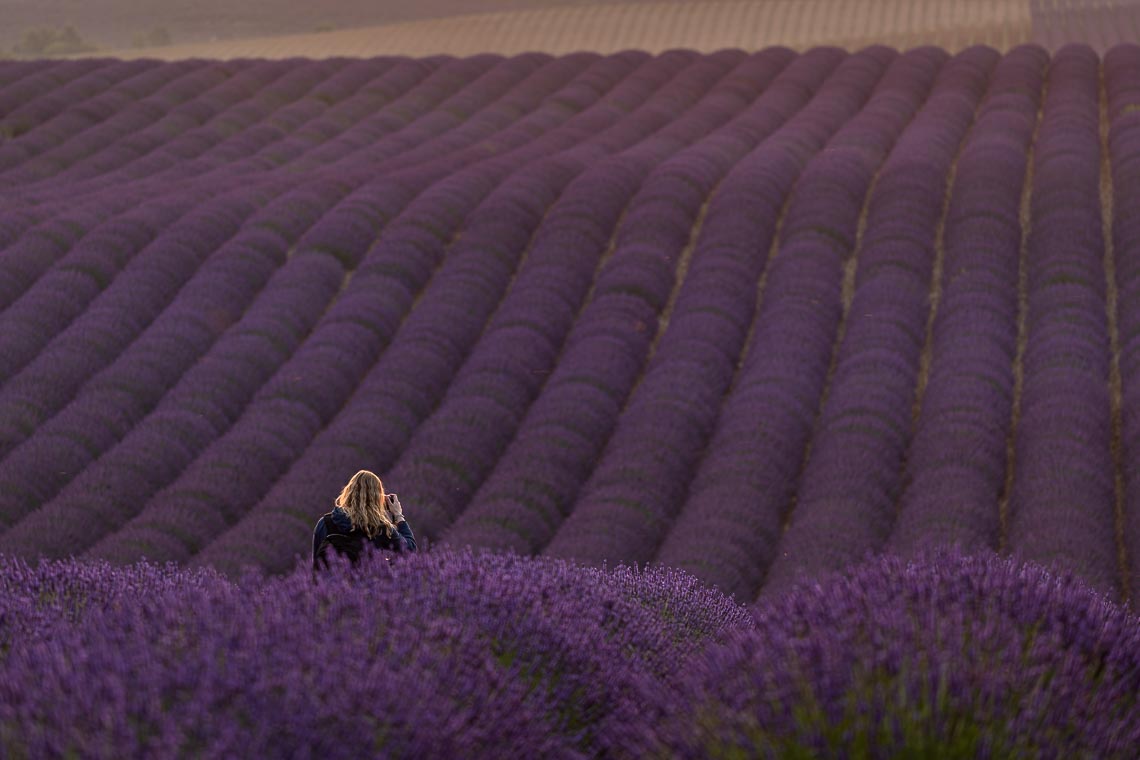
[[325, 27], [159, 36], [52, 41]]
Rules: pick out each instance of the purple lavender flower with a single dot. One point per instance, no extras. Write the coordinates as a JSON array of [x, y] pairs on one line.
[[947, 655], [438, 654]]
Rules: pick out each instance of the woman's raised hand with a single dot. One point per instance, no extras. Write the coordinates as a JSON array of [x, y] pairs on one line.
[[394, 507]]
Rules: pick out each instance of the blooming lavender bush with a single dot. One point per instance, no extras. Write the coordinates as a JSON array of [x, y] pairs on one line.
[[440, 654], [950, 655], [36, 600]]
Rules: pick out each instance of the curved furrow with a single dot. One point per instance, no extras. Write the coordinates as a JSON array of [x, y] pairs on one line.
[[29, 265], [174, 118], [636, 491], [633, 497], [846, 501], [117, 140], [186, 129], [138, 102], [29, 397], [230, 93], [239, 103], [38, 241], [1121, 72], [122, 310], [1062, 503], [13, 72], [33, 103], [425, 226], [512, 508], [453, 451], [637, 485], [565, 429], [113, 401], [86, 107], [231, 133], [226, 146], [413, 375], [956, 463], [216, 153], [747, 473]]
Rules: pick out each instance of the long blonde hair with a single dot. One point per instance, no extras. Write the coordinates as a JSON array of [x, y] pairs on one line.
[[364, 500]]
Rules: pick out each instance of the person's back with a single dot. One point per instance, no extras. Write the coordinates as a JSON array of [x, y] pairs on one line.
[[363, 517]]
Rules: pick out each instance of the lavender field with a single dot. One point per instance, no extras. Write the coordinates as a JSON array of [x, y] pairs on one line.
[[742, 319]]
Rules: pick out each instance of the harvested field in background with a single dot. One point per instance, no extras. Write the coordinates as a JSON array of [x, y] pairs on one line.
[[654, 26]]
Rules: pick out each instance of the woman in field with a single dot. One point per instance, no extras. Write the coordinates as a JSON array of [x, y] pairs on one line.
[[363, 515]]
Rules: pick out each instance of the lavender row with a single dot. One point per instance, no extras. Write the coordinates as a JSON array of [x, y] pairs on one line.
[[637, 486], [211, 396], [61, 389], [239, 89], [21, 80], [691, 371], [121, 310], [233, 94], [1122, 88], [121, 110], [36, 241], [306, 393], [422, 221], [36, 97], [77, 278], [288, 82], [71, 125], [846, 500], [216, 489], [240, 80], [179, 132], [729, 519], [536, 481], [228, 154], [518, 507], [408, 383], [114, 400], [147, 124], [235, 98], [1062, 502], [956, 462], [227, 145], [195, 127], [454, 450], [45, 119]]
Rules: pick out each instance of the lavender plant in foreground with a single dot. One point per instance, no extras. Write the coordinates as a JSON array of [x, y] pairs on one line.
[[947, 656], [440, 654], [38, 599]]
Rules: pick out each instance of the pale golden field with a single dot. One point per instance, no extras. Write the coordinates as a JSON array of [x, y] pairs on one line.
[[654, 27]]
